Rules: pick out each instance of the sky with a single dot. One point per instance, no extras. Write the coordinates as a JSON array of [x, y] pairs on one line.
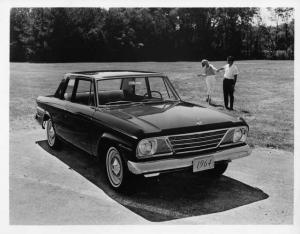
[[266, 17]]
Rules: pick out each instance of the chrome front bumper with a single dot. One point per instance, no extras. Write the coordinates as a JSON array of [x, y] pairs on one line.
[[39, 116], [178, 163]]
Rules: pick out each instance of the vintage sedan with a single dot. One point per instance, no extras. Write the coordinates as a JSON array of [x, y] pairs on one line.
[[137, 124]]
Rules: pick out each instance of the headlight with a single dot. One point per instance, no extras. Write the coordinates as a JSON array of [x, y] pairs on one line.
[[240, 134], [152, 147], [244, 134], [237, 135], [147, 147]]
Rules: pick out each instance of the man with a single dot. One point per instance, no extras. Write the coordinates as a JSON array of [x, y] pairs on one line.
[[210, 74], [230, 78]]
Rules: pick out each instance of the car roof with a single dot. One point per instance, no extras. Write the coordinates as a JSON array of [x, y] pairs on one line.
[[108, 74]]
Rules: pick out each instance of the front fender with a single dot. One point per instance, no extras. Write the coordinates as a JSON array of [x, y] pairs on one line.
[[126, 147]]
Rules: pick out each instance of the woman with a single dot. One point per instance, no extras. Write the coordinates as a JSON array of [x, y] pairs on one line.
[[210, 74]]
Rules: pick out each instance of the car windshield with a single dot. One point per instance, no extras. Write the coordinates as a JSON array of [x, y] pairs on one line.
[[120, 91]]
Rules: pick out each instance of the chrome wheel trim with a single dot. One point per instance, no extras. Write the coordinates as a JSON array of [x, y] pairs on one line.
[[114, 167], [50, 133]]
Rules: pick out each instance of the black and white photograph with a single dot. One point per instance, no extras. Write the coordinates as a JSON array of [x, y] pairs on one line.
[[152, 115]]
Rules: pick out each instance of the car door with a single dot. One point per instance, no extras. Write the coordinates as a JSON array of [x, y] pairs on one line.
[[80, 112], [61, 116], [57, 107]]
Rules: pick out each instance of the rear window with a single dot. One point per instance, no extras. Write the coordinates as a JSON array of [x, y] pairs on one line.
[[84, 93], [69, 89], [60, 89]]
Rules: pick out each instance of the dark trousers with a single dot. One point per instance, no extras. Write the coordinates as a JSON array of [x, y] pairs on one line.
[[228, 90]]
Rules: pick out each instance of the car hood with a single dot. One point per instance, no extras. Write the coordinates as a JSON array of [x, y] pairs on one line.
[[165, 117]]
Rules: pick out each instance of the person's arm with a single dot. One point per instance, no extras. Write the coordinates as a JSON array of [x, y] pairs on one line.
[[221, 68], [235, 78], [236, 72], [212, 67], [202, 74]]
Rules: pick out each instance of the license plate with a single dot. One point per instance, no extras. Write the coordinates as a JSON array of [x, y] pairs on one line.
[[201, 164]]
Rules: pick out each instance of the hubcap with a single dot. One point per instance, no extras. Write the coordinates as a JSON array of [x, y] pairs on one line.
[[114, 167]]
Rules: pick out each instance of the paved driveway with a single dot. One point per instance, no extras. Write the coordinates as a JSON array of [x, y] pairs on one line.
[[67, 187]]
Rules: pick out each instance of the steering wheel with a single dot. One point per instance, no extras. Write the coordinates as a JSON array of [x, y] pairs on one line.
[[154, 91]]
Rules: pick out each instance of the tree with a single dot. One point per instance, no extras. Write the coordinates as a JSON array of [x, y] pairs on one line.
[[123, 34], [19, 34], [285, 14]]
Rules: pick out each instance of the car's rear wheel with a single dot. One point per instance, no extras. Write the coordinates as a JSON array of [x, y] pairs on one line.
[[218, 170], [116, 171], [52, 139]]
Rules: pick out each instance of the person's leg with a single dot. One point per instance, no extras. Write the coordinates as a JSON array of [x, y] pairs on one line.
[[207, 80], [225, 92], [231, 91], [212, 82]]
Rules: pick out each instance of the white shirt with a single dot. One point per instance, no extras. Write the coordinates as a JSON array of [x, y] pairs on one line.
[[231, 71]]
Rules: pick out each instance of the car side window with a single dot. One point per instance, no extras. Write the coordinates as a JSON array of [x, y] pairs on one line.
[[60, 89], [69, 90], [159, 88], [84, 93], [140, 86], [109, 85]]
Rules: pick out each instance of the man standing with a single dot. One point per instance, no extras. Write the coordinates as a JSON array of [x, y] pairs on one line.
[[230, 78]]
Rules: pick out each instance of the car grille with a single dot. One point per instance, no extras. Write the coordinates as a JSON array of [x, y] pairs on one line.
[[196, 142]]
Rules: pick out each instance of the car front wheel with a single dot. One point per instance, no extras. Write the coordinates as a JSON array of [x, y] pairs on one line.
[[116, 171], [52, 139]]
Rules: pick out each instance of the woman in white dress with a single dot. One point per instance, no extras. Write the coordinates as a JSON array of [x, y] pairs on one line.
[[210, 74]]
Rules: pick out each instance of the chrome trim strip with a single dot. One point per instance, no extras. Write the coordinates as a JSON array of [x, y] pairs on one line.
[[154, 155], [40, 109], [191, 133], [151, 175], [164, 154], [173, 140], [177, 163], [228, 130], [190, 147], [195, 151], [195, 142], [231, 144]]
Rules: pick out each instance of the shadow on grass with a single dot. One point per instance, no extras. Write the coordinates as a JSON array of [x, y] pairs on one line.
[[168, 197], [219, 106]]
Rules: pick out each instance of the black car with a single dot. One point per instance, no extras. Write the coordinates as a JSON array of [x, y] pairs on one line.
[[137, 123]]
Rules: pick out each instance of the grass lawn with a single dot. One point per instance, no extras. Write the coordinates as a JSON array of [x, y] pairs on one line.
[[264, 93]]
